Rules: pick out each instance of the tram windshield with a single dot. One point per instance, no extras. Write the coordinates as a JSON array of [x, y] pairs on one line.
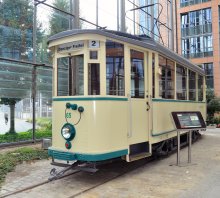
[[70, 76]]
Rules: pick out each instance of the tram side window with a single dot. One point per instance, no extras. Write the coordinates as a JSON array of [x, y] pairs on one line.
[[200, 88], [181, 78], [62, 76], [192, 85], [94, 79], [115, 84], [70, 76], [166, 78], [137, 74]]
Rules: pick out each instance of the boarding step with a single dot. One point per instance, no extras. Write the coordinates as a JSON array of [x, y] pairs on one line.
[[131, 158]]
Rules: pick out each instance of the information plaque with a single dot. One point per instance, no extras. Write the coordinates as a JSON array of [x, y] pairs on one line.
[[188, 120]]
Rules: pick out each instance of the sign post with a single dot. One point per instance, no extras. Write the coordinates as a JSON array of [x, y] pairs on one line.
[[187, 122]]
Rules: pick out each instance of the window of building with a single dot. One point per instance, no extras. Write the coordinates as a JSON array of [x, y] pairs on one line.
[[208, 67], [137, 74], [184, 3], [166, 79], [115, 84], [93, 79], [181, 79], [192, 85], [70, 75], [196, 33]]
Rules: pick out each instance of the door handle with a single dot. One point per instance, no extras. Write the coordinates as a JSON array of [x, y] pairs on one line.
[[148, 106]]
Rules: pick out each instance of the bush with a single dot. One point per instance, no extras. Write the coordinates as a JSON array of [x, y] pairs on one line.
[[45, 123], [22, 136]]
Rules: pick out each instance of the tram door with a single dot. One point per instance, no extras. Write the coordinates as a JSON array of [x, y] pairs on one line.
[[138, 102]]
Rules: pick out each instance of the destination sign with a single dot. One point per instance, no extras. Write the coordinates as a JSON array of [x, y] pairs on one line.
[[188, 120], [72, 46]]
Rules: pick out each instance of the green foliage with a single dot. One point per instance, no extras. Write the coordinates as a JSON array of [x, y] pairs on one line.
[[9, 160], [8, 138], [44, 123], [58, 21], [213, 106], [9, 101]]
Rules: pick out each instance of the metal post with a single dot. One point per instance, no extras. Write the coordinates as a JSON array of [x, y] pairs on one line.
[[76, 13], [171, 24], [134, 17], [190, 144], [97, 13], [178, 148], [122, 14], [118, 27], [34, 70], [152, 33], [71, 17]]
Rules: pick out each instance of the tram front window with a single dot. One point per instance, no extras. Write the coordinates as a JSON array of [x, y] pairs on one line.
[[70, 72], [94, 79], [115, 84]]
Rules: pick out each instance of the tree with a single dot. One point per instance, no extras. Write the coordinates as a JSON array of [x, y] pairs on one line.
[[16, 30], [58, 21], [11, 102], [213, 104]]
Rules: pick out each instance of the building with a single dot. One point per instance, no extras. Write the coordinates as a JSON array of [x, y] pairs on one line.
[[156, 19], [198, 36]]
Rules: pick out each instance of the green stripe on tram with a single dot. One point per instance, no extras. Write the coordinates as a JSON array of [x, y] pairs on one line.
[[172, 100], [90, 99]]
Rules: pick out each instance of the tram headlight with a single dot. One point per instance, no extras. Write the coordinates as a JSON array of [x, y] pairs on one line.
[[68, 131]]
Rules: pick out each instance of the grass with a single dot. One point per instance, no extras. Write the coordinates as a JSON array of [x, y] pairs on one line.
[[9, 160], [22, 136]]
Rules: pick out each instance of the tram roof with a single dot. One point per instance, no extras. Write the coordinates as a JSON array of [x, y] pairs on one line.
[[141, 41]]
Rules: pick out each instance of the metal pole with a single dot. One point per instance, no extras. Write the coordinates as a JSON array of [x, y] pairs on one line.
[[134, 17], [178, 148], [71, 17], [171, 24], [118, 27], [34, 70], [97, 13], [176, 27], [76, 13], [152, 33], [122, 10], [190, 144]]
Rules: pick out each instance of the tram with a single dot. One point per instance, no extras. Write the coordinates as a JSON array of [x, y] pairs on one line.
[[113, 95]]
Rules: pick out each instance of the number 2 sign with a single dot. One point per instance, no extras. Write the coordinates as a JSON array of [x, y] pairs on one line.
[[93, 44]]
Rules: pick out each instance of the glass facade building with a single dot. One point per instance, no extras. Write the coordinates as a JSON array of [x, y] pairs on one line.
[[198, 37]]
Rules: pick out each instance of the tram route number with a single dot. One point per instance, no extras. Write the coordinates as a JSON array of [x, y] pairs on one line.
[[68, 115], [93, 44]]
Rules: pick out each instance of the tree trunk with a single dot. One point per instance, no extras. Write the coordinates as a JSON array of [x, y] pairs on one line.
[[12, 118]]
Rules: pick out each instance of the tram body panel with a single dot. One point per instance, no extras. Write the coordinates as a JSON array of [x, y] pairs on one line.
[[138, 125], [162, 119], [113, 124], [102, 128]]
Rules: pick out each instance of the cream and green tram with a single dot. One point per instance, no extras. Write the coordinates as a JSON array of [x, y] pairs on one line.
[[113, 95]]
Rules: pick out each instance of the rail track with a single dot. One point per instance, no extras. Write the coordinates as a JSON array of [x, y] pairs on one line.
[[118, 168]]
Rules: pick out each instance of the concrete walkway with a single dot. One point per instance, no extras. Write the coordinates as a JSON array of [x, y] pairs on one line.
[[160, 178]]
